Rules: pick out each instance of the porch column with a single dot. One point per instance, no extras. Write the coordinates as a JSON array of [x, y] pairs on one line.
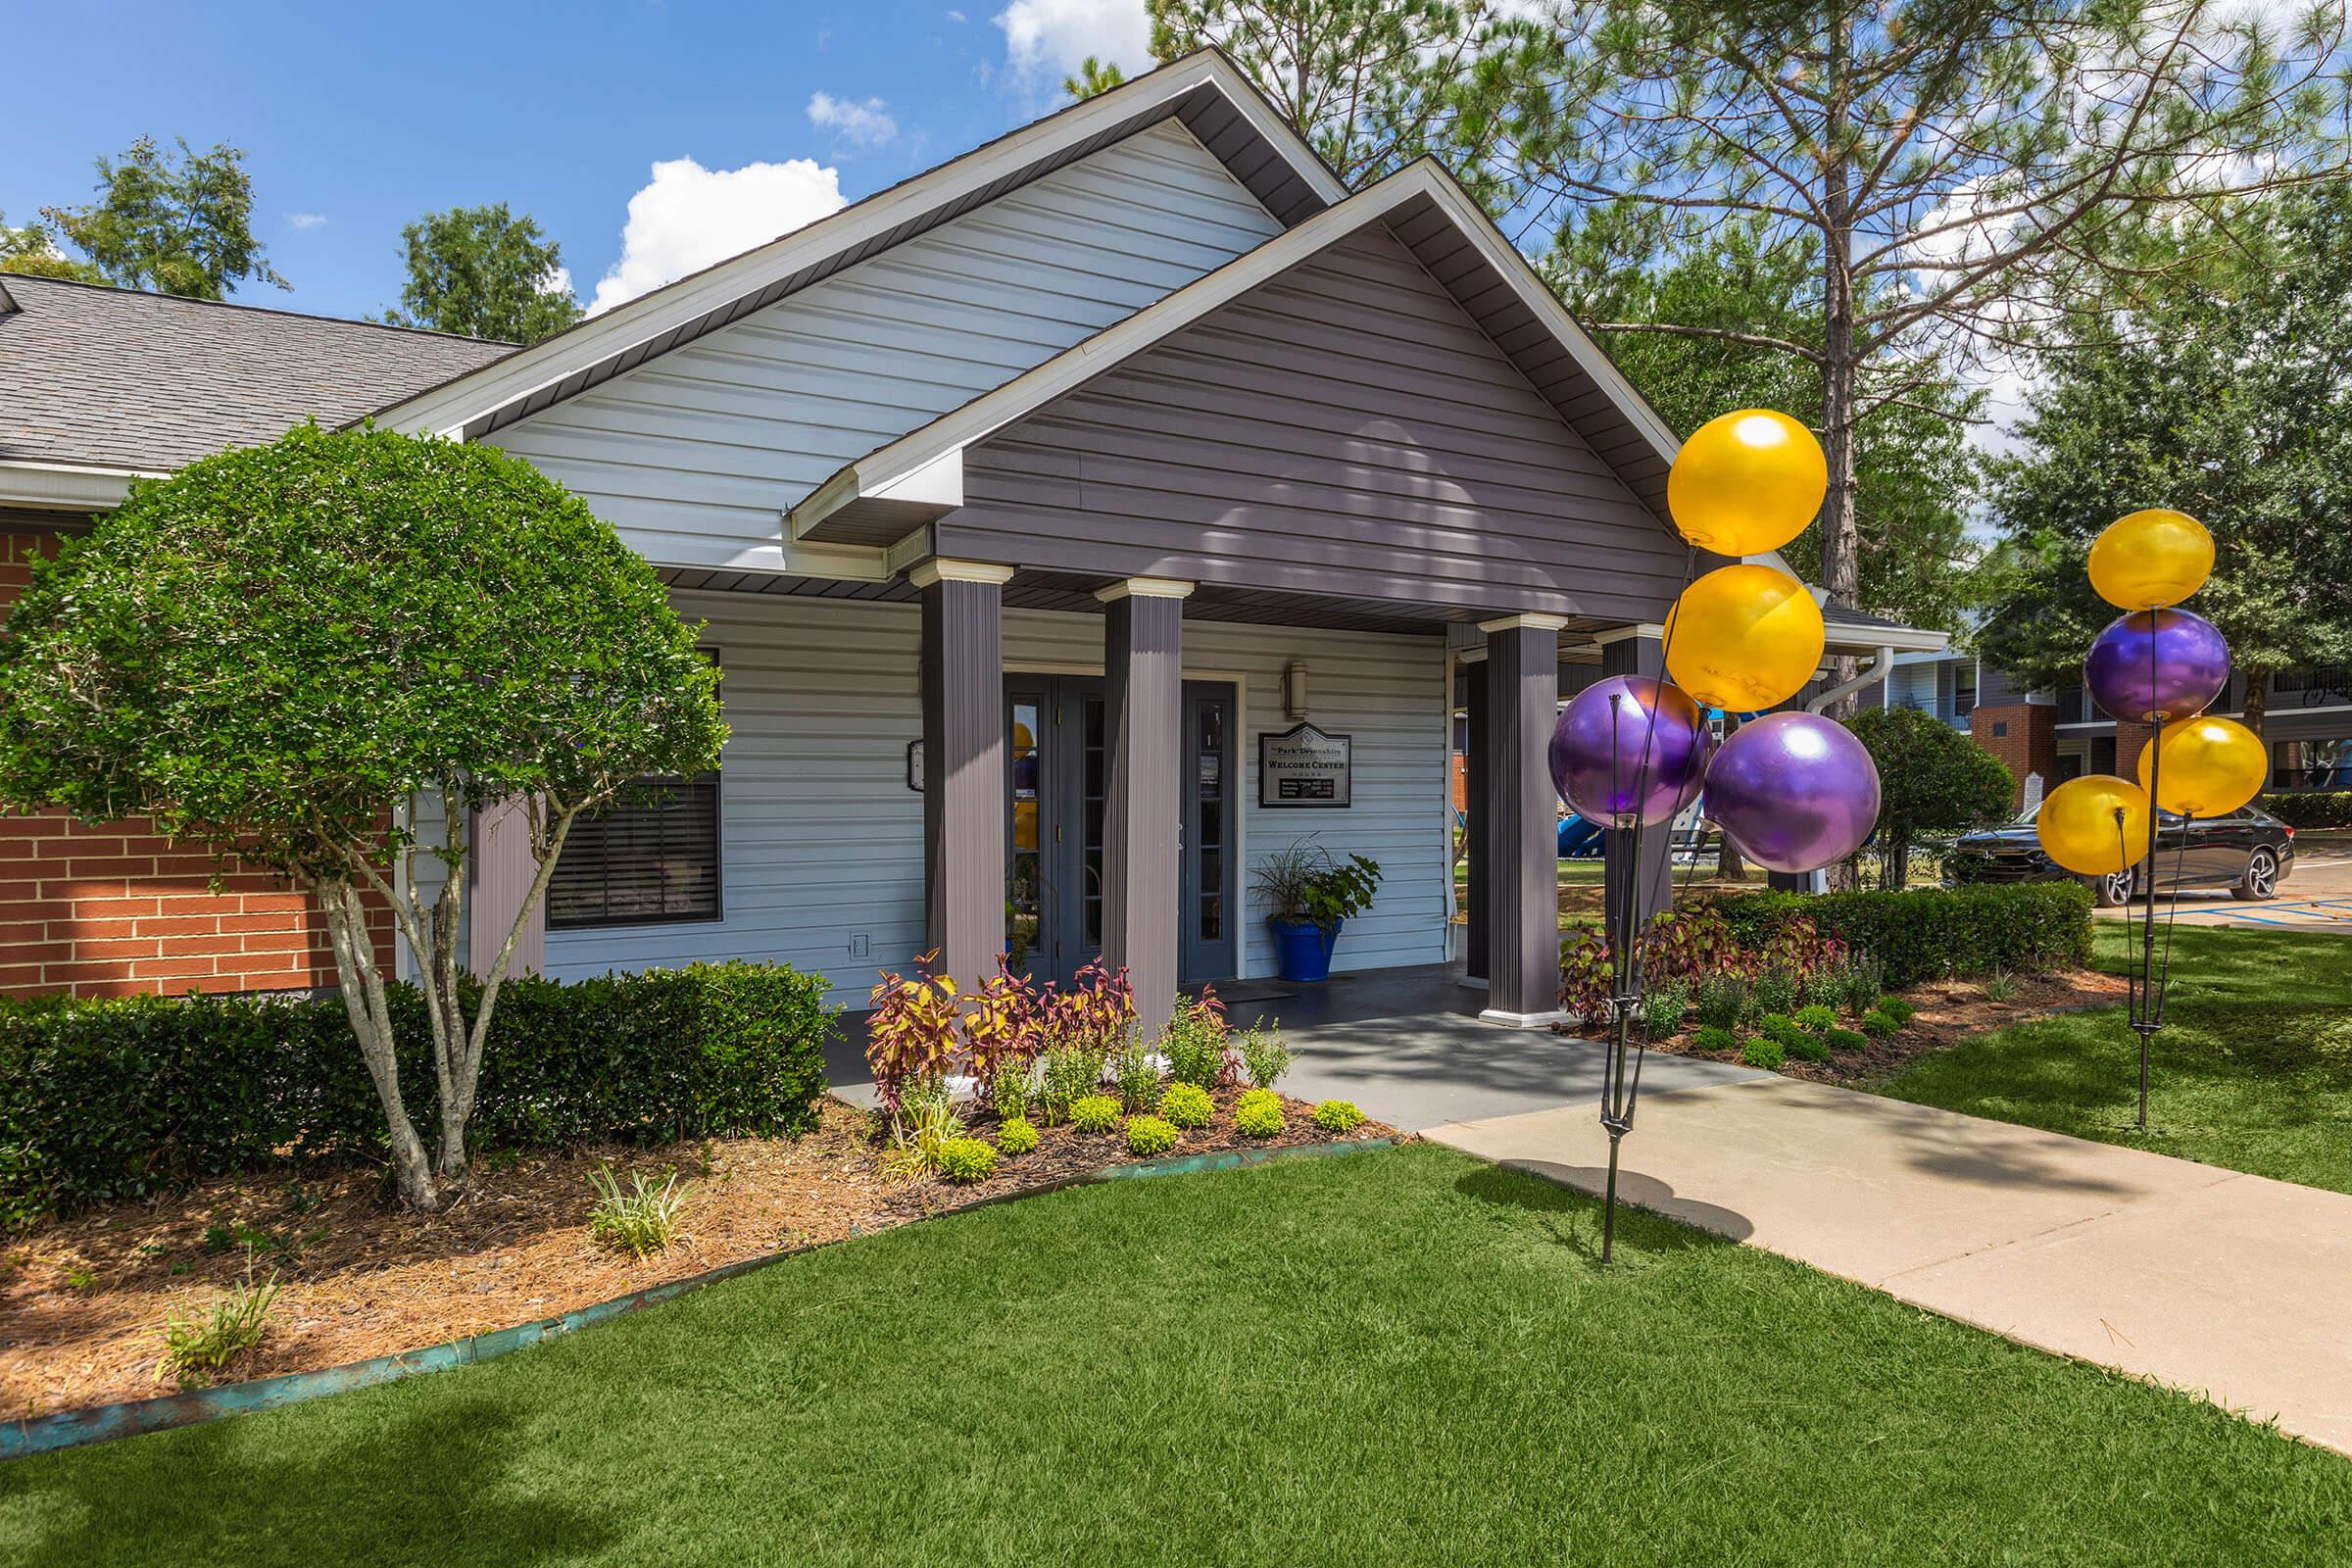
[[1143, 723], [1477, 768], [963, 763], [1652, 881], [1523, 899]]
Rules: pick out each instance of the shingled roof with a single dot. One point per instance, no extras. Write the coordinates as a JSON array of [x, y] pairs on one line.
[[112, 378]]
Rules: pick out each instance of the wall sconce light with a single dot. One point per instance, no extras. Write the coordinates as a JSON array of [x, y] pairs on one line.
[[1294, 692]]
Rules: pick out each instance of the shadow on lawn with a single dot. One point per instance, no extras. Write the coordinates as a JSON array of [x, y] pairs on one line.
[[428, 1483], [1544, 1188]]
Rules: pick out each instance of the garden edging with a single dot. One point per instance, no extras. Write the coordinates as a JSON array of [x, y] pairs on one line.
[[99, 1423]]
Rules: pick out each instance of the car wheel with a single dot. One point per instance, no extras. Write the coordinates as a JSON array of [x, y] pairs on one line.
[[2112, 891], [2261, 880]]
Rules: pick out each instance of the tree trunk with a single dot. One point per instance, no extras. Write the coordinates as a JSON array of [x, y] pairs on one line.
[[363, 985], [1895, 864], [2258, 699], [1841, 537]]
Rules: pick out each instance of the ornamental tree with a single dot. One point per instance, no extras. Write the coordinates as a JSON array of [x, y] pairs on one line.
[[1932, 779], [282, 653]]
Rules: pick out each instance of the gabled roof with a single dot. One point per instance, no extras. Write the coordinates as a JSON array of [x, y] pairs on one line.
[[1213, 99], [117, 381], [918, 478]]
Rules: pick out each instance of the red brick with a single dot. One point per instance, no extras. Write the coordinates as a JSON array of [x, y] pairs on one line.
[[232, 924], [122, 865], [173, 968], [116, 947], [2027, 740], [75, 927], [180, 925], [198, 904], [104, 907]]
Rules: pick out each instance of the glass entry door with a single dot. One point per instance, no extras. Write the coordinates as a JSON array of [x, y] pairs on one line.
[[1057, 778]]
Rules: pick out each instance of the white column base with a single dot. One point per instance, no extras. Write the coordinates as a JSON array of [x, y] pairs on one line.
[[1521, 1020]]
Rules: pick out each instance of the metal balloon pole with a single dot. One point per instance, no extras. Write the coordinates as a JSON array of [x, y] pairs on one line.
[[1618, 1090], [2146, 995]]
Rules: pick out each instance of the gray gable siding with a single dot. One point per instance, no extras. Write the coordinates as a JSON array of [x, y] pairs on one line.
[[695, 455], [1345, 430]]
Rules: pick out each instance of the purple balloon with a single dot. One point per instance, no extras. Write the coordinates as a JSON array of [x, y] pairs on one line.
[[2157, 662], [1611, 764], [1793, 791]]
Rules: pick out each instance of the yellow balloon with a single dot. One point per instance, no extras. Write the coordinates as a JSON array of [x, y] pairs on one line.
[[2150, 559], [2078, 826], [2212, 766], [1746, 482], [1743, 638]]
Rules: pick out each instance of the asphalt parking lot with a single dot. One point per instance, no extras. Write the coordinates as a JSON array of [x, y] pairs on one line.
[[2316, 895]]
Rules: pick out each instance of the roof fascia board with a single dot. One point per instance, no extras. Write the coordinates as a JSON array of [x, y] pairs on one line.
[[62, 485], [448, 409]]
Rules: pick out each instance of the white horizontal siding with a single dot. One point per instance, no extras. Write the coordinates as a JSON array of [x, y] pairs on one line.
[[824, 842], [695, 455]]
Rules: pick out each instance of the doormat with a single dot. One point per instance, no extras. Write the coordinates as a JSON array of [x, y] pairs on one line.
[[1258, 991]]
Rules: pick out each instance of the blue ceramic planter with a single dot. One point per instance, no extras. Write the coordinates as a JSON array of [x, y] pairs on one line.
[[1302, 947]]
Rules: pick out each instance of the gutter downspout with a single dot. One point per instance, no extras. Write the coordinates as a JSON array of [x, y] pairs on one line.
[[1881, 665]]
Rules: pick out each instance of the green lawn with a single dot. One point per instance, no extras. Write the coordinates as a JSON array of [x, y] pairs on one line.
[[1401, 1357], [2252, 1070]]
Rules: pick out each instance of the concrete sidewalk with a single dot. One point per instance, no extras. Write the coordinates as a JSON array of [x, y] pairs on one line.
[[2236, 1287]]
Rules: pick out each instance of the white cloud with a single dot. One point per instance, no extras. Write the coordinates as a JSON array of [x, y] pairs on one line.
[[690, 216], [1054, 35], [956, 16], [557, 282], [861, 124], [306, 220]]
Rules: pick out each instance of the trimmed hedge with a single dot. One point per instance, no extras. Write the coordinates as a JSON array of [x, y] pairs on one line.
[[1934, 933], [125, 1098], [2311, 808]]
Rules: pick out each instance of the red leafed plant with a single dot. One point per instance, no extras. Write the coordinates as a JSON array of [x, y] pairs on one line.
[[911, 1035], [1094, 1016], [1004, 1023]]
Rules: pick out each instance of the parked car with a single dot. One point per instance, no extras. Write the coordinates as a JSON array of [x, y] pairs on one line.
[[2247, 851]]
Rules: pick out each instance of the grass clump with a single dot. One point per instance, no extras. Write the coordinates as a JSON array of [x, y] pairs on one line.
[[1258, 1113], [641, 1220], [1094, 1113], [198, 1345], [926, 1124], [1016, 1137], [1187, 1106], [1339, 1116], [1149, 1135], [965, 1160]]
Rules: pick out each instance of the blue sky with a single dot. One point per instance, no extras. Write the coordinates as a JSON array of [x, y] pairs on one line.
[[359, 117]]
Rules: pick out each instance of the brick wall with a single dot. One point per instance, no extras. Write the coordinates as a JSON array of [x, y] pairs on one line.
[[103, 910], [2023, 735]]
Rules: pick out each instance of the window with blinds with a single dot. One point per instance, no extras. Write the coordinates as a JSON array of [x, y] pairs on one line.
[[650, 858]]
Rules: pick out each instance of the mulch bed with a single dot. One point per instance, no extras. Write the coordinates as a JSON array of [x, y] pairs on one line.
[[83, 1299], [1949, 1012]]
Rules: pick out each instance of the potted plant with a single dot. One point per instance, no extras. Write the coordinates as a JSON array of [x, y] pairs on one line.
[[1309, 893]]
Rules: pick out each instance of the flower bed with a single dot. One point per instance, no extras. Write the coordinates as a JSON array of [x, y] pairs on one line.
[[83, 1300]]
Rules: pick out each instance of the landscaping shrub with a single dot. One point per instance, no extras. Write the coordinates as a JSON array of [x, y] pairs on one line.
[[1774, 991], [1187, 1106], [2312, 809], [133, 1096], [1016, 1137], [1861, 983], [1149, 1135], [1069, 1075], [1824, 988], [1721, 1003], [1009, 1094], [1793, 1038], [965, 1160], [921, 1129], [1897, 1008], [1258, 1113], [1339, 1116], [1817, 1018], [1663, 1005], [1714, 1037], [1932, 933], [1762, 1052], [1877, 1024], [640, 1221], [1193, 1040], [1094, 1113], [1264, 1056], [1841, 1039], [1137, 1076]]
